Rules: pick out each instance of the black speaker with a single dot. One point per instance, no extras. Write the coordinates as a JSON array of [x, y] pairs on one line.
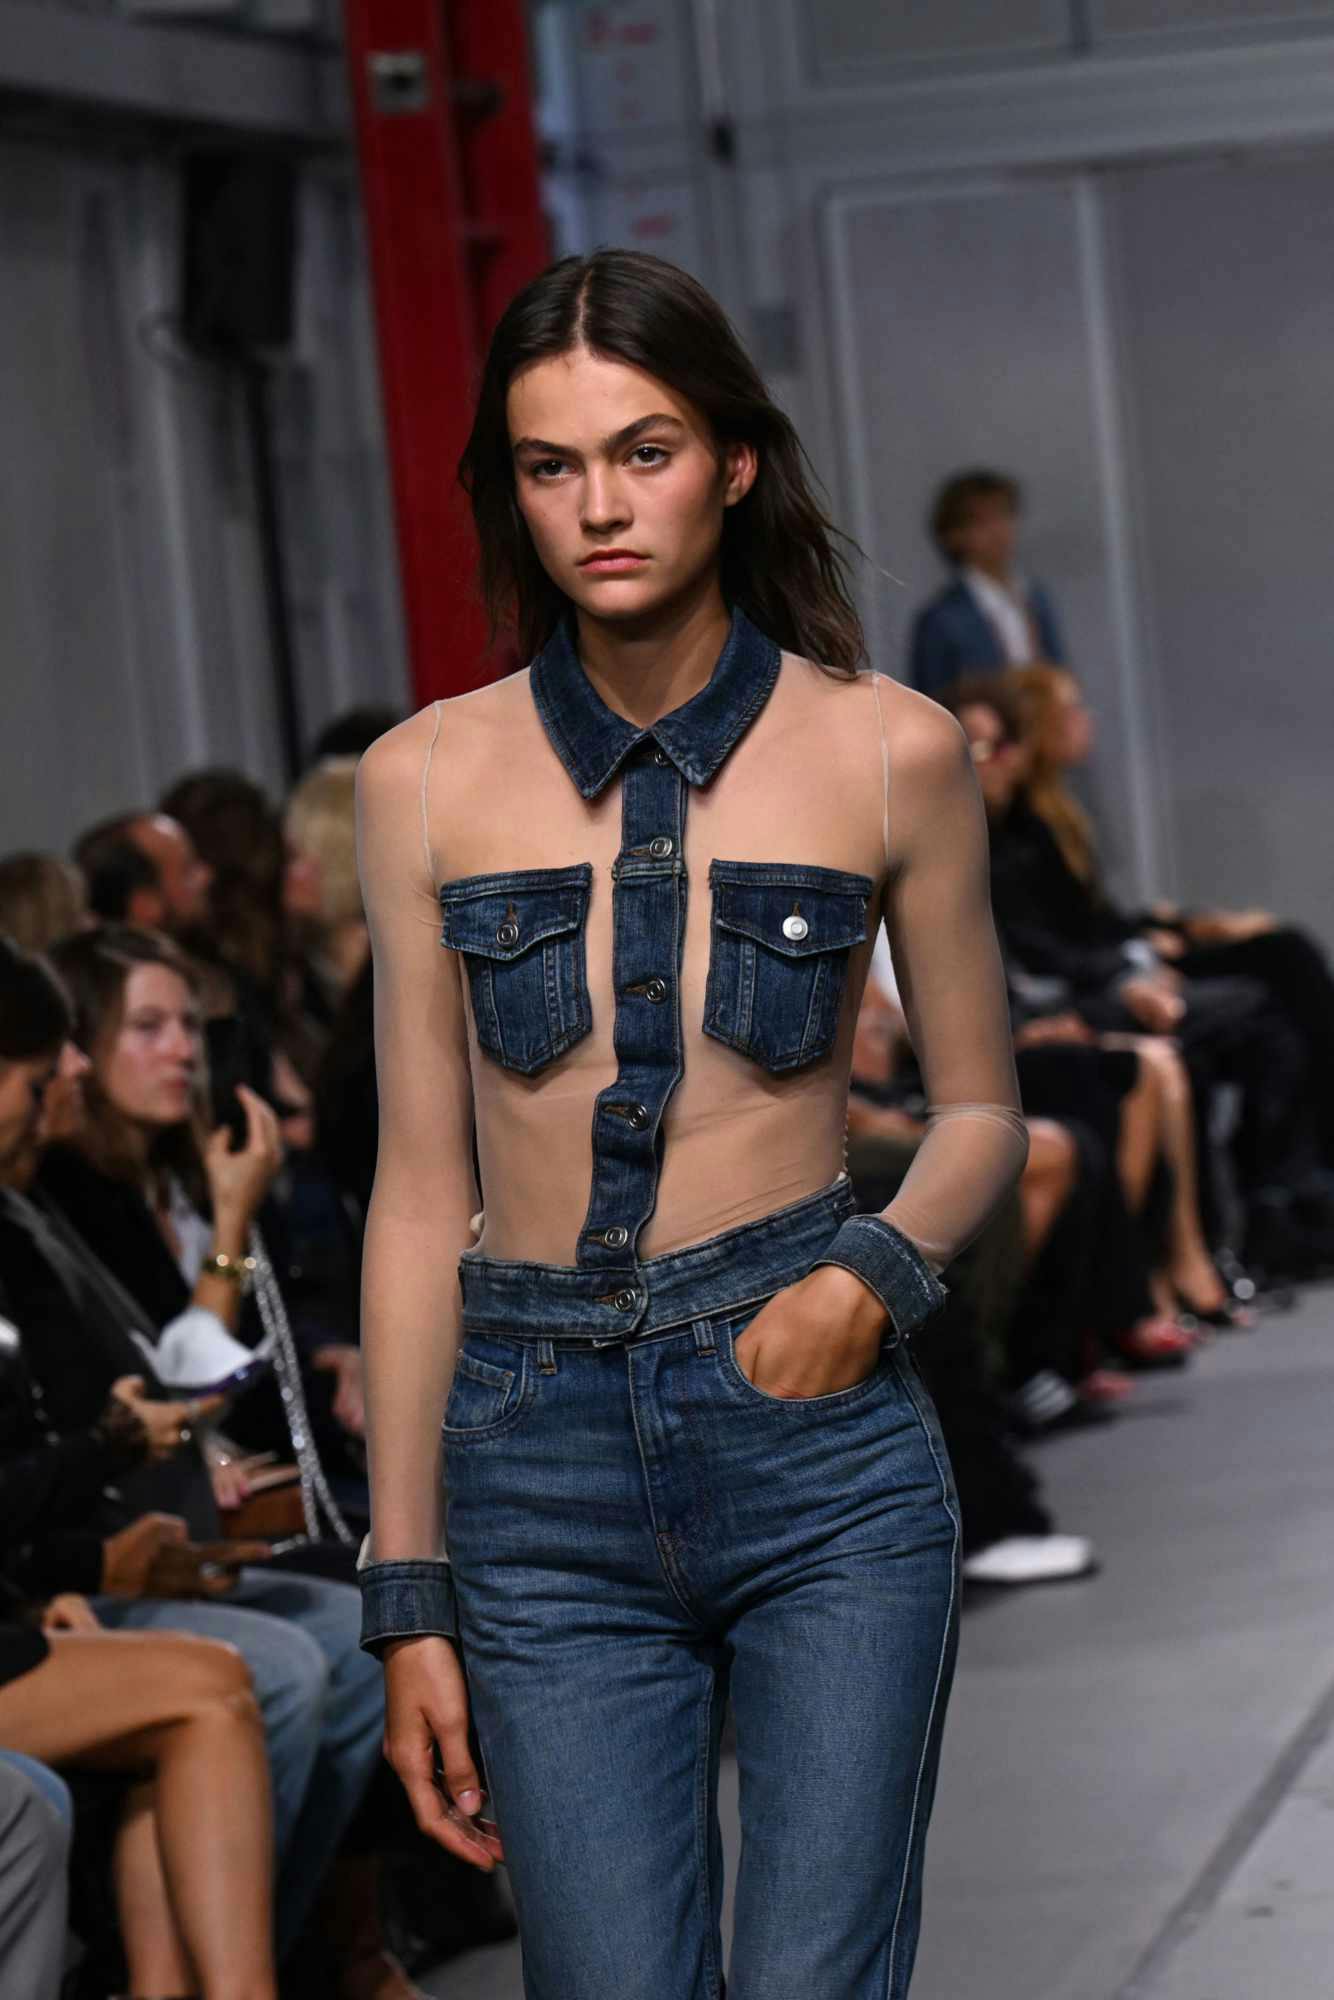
[[239, 251]]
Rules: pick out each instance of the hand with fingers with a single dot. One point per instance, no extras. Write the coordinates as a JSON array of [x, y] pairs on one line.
[[426, 1742], [239, 1181]]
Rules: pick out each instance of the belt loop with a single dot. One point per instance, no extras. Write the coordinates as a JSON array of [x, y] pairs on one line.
[[704, 1341], [546, 1357]]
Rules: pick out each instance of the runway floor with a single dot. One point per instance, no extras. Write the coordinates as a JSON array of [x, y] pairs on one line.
[[1137, 1794]]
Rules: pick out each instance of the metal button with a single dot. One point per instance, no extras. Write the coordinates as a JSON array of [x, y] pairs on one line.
[[661, 844], [508, 934], [625, 1301], [639, 1116], [656, 990], [795, 927], [661, 757], [616, 1237]]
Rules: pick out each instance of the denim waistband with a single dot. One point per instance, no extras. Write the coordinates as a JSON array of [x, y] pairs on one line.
[[532, 1301]]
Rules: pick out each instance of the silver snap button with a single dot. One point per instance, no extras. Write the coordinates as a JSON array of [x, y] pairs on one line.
[[661, 844], [795, 927], [656, 990], [625, 1301], [661, 757], [640, 1116], [508, 934], [616, 1237]]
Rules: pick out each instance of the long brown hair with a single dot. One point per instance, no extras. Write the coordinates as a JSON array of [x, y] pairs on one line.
[[1039, 690], [781, 559], [95, 967]]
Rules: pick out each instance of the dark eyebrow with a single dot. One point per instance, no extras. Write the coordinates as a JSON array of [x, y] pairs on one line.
[[615, 442]]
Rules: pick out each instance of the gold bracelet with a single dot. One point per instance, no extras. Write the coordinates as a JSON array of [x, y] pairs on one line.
[[235, 1269]]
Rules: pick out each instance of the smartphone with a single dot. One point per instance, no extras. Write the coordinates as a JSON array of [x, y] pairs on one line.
[[235, 1055]]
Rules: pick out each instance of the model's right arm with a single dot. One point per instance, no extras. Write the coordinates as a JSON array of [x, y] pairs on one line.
[[424, 1194]]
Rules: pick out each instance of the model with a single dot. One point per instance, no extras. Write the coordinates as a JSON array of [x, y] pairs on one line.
[[686, 1449]]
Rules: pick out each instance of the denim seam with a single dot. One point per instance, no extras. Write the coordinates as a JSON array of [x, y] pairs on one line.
[[663, 1568], [935, 1692], [703, 1878]]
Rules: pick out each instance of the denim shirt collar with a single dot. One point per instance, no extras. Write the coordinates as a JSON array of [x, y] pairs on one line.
[[591, 740]]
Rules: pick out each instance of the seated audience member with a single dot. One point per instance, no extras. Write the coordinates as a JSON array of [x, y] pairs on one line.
[[239, 836], [167, 1209], [42, 898], [1008, 1536], [246, 940], [141, 868], [1206, 943], [322, 894], [321, 1695], [989, 616], [36, 1820], [170, 1712], [1061, 931], [1069, 1068]]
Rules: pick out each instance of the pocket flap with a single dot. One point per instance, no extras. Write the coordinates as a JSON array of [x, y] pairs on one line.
[[758, 898], [503, 916]]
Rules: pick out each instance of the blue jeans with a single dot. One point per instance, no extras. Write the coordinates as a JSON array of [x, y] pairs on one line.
[[322, 1700], [636, 1533], [36, 1827]]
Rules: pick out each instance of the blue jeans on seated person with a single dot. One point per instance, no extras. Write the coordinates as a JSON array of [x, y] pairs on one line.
[[36, 1824], [637, 1532]]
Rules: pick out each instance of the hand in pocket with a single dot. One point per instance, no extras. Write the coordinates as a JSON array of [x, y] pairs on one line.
[[813, 1338]]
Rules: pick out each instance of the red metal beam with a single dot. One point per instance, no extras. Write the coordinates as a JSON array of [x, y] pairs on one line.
[[454, 226]]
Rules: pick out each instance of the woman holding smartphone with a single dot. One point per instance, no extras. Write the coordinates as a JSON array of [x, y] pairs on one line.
[[686, 1447]]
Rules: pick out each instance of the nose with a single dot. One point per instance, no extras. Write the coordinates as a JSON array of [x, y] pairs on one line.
[[73, 1061], [182, 1042], [604, 503]]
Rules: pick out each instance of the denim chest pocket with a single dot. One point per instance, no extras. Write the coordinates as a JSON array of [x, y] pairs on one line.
[[778, 957], [522, 937], [483, 1398]]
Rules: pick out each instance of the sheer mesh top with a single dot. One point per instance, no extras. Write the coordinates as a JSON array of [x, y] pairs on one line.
[[856, 775], [802, 770]]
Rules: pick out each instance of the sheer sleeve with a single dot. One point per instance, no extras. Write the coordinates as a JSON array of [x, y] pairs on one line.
[[425, 1189], [937, 911]]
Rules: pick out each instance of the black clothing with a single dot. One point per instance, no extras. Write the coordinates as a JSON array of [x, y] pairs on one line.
[[75, 1326], [49, 1487]]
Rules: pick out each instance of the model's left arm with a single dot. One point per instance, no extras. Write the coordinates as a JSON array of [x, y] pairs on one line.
[[937, 910]]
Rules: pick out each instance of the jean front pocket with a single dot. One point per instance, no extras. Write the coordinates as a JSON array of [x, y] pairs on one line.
[[728, 1328], [487, 1397], [778, 957], [522, 936]]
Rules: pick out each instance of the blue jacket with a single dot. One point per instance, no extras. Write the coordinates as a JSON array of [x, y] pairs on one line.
[[951, 637]]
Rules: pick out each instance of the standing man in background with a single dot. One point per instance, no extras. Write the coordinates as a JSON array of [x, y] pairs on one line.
[[989, 616]]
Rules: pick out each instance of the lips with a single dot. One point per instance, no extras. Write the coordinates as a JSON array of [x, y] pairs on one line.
[[610, 561]]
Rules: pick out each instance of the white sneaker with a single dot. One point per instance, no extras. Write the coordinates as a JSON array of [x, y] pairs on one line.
[[1043, 1399], [1031, 1559]]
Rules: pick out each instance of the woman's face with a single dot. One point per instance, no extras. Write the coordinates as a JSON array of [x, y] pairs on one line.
[[150, 1067], [302, 893], [620, 483]]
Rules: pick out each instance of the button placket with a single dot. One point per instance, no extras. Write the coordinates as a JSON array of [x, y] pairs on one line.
[[648, 920]]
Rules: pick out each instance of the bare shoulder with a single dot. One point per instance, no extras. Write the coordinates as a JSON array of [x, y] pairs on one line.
[[926, 743], [457, 730]]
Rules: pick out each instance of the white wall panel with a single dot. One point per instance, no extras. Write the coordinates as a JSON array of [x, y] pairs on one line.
[[1229, 341], [839, 35], [132, 631]]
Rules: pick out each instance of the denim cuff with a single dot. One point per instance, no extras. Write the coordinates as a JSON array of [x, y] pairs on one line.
[[406, 1600], [894, 1268]]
